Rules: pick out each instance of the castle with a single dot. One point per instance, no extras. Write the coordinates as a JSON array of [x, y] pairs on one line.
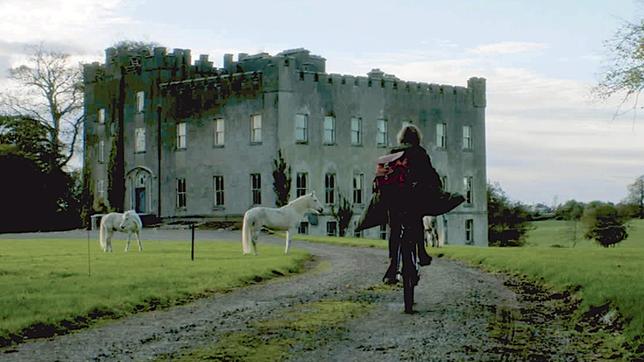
[[182, 141]]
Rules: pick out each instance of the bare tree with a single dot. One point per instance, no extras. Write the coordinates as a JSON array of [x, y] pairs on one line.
[[636, 195], [50, 90], [624, 75]]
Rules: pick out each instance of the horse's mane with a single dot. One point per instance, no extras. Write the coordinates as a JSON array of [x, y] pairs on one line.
[[297, 199]]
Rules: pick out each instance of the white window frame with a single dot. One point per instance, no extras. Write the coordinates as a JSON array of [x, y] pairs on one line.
[[335, 228], [182, 137], [101, 151], [140, 101], [218, 190], [182, 193], [467, 137], [358, 188], [382, 132], [383, 231], [100, 189], [256, 129], [101, 116], [301, 128], [329, 130], [441, 135], [468, 184], [356, 131], [469, 231], [139, 139], [219, 132], [301, 183], [329, 188], [444, 182], [256, 188], [303, 228]]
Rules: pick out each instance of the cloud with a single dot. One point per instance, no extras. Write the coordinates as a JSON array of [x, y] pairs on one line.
[[507, 47]]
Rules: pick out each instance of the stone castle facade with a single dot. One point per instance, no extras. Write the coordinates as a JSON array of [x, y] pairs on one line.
[[183, 140]]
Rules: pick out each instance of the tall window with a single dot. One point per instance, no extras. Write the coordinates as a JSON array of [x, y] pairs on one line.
[[256, 188], [139, 136], [301, 183], [440, 135], [358, 187], [181, 136], [181, 193], [100, 189], [356, 131], [444, 181], [329, 188], [467, 137], [331, 228], [101, 151], [303, 228], [301, 128], [219, 132], [383, 231], [469, 231], [381, 136], [256, 128], [101, 115], [140, 101], [218, 183], [467, 188], [329, 130]]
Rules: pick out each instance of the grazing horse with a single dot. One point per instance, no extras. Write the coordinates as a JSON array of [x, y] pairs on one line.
[[127, 222], [431, 232], [285, 218]]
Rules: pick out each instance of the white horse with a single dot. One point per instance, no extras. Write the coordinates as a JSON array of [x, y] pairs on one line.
[[431, 232], [285, 218], [127, 222]]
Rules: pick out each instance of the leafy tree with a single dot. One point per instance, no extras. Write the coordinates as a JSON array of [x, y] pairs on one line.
[[625, 71], [342, 214], [281, 180], [604, 224], [50, 91], [636, 195], [136, 46], [570, 210], [507, 221]]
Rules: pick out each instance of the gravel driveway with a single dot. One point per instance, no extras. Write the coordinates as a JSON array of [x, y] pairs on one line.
[[458, 308]]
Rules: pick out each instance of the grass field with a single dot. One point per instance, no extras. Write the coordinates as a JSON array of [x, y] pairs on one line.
[[605, 275], [46, 287]]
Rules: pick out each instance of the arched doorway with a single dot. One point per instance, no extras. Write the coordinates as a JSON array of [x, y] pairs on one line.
[[140, 185]]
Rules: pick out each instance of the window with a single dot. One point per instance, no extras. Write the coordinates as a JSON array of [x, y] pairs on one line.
[[467, 137], [181, 193], [139, 135], [356, 131], [301, 181], [358, 183], [301, 128], [256, 188], [101, 151], [219, 132], [218, 183], [331, 228], [444, 181], [469, 231], [329, 188], [381, 136], [181, 136], [441, 142], [467, 186], [303, 228], [256, 128], [329, 130], [101, 116], [383, 231], [100, 189], [140, 101]]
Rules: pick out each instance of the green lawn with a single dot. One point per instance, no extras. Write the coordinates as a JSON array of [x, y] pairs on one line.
[[45, 283], [614, 275]]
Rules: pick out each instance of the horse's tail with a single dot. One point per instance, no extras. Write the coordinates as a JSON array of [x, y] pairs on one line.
[[101, 233], [246, 235]]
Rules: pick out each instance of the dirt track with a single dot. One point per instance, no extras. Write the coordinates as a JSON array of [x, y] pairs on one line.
[[463, 314]]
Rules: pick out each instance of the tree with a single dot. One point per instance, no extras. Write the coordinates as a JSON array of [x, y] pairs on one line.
[[507, 221], [604, 224], [50, 91], [342, 214], [281, 180], [636, 195], [625, 71]]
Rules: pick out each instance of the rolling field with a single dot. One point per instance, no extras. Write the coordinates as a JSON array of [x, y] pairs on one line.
[[46, 288]]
